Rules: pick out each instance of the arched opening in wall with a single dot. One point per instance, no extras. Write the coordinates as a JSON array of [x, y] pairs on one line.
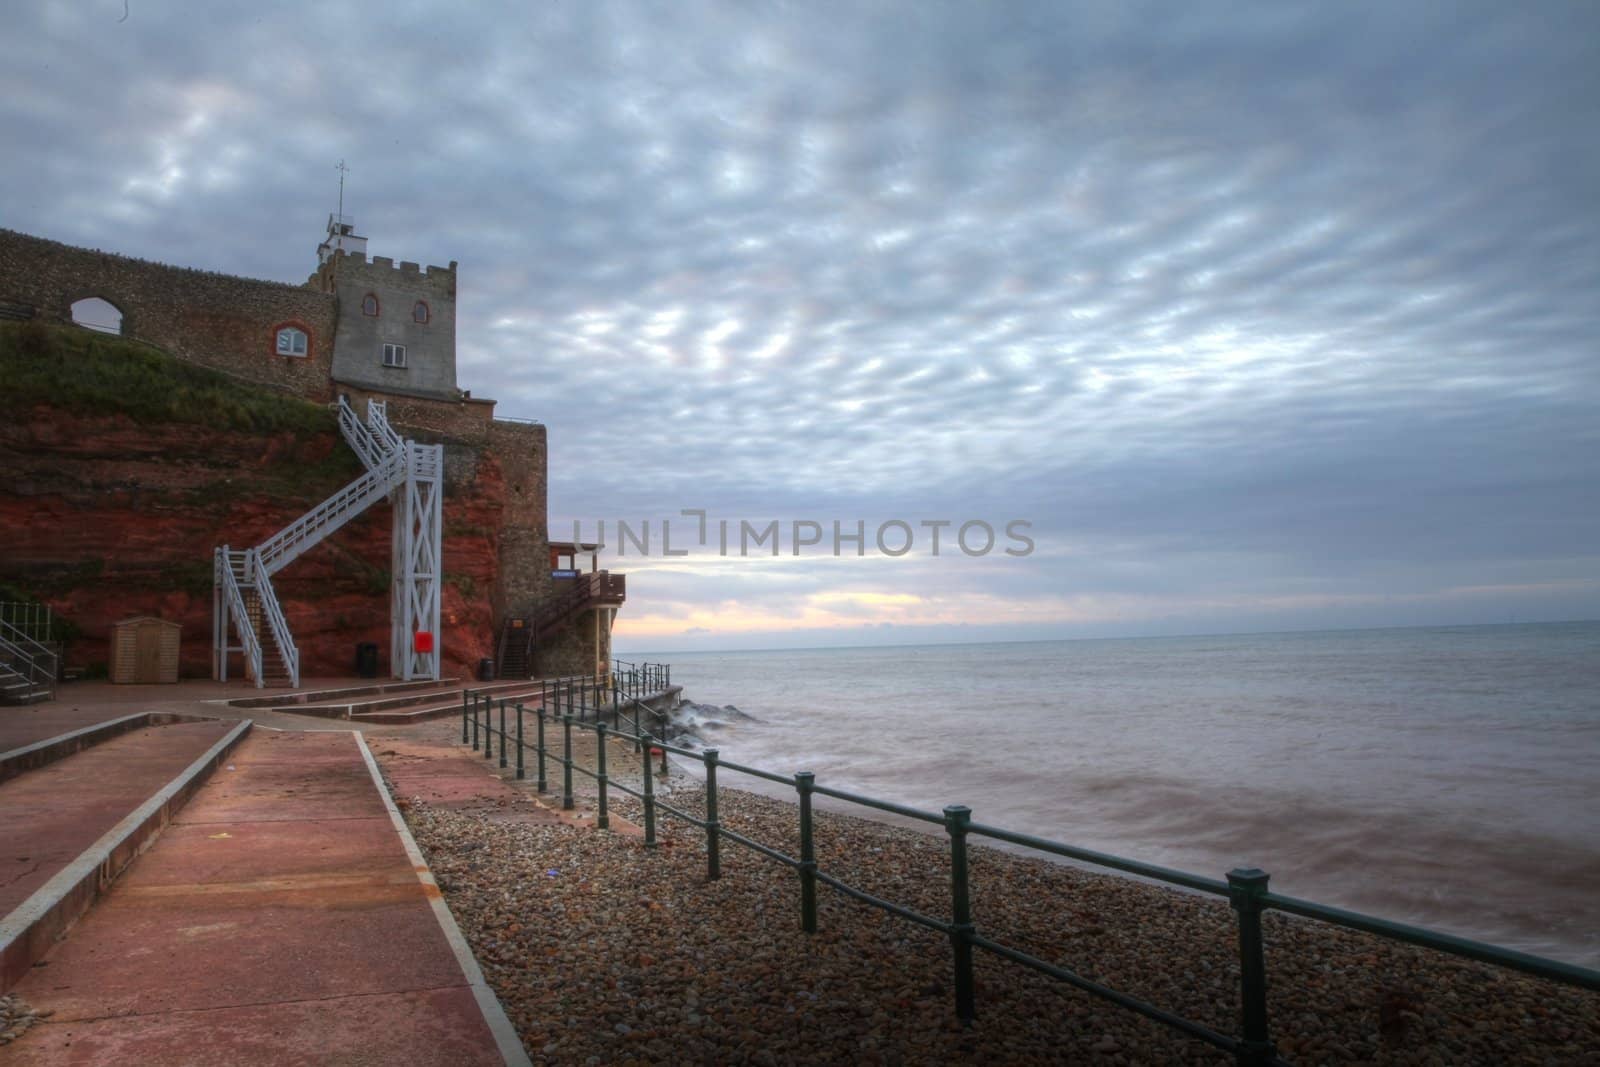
[[97, 313]]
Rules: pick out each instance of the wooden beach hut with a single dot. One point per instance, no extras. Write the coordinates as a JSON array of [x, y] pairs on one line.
[[144, 651]]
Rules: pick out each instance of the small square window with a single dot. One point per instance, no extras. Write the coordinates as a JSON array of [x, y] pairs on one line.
[[394, 355], [291, 342]]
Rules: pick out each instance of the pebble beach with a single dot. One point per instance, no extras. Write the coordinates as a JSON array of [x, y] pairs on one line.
[[605, 952]]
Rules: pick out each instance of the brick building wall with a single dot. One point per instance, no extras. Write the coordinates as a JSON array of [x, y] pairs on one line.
[[216, 320]]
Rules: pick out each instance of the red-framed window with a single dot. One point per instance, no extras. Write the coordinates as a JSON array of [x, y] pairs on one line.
[[291, 339], [420, 313], [369, 305]]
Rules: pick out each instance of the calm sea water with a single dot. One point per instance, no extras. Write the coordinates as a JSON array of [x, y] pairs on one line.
[[1443, 776]]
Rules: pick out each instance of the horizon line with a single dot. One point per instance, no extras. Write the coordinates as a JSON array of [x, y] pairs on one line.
[[1125, 637]]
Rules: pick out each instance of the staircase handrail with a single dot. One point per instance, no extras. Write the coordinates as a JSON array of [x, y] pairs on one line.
[[38, 667], [586, 588], [378, 423], [361, 440], [272, 611], [285, 546], [231, 590], [30, 616]]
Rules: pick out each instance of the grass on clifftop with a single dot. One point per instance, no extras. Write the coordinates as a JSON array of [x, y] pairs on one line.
[[77, 370]]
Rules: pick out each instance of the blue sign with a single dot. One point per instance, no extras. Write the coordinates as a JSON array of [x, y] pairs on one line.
[[564, 574]]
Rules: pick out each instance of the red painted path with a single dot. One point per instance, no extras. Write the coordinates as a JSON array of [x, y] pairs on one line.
[[279, 919], [50, 815]]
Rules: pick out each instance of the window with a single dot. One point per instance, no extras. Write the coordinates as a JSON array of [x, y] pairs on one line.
[[419, 312], [394, 355], [291, 341], [369, 305], [97, 313]]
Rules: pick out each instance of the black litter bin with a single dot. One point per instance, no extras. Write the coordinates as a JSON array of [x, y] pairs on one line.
[[486, 670], [367, 659]]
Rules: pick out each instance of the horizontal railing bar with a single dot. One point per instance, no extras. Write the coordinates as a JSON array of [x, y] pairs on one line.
[[1177, 1022], [1458, 946], [756, 772], [1103, 859], [685, 816], [770, 853], [881, 805], [887, 905]]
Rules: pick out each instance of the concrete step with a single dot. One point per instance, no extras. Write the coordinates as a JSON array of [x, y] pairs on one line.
[[436, 700], [510, 692], [343, 693]]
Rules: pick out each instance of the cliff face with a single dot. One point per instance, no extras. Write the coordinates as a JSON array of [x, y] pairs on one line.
[[108, 512]]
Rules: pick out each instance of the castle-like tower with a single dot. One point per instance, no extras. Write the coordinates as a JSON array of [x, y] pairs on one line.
[[395, 326]]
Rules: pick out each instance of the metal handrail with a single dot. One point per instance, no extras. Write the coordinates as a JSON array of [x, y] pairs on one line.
[[273, 612], [361, 440], [378, 421], [40, 668], [30, 616], [235, 596], [310, 529], [1245, 889]]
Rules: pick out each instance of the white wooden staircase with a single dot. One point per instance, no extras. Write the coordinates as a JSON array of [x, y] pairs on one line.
[[244, 602]]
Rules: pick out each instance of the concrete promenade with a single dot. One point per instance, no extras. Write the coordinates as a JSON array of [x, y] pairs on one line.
[[283, 916]]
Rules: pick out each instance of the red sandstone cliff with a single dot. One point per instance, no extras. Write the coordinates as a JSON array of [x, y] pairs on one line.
[[105, 517]]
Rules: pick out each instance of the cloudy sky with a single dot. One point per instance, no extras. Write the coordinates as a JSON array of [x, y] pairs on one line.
[[1264, 316]]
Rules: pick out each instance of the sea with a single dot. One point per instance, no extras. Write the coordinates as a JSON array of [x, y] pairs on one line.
[[1442, 776]]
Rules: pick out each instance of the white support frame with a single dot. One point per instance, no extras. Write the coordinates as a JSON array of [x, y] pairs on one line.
[[418, 563]]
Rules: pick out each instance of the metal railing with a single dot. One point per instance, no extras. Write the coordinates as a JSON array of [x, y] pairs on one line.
[[568, 706], [272, 612], [29, 617], [28, 658], [641, 679], [231, 569], [316, 525]]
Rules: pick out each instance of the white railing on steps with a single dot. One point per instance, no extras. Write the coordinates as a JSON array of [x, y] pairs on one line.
[[289, 543], [383, 452]]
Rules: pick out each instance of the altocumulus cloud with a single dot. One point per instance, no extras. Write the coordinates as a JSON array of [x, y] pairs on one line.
[[1266, 315]]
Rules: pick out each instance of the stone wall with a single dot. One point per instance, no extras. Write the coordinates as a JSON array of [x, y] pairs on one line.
[[573, 650], [216, 320], [461, 419], [395, 292], [524, 540]]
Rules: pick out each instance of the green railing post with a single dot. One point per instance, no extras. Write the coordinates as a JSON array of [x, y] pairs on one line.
[[604, 822], [544, 785], [649, 797], [1246, 887], [502, 733], [567, 803], [803, 781], [520, 773], [663, 749], [616, 703], [464, 716], [713, 833], [488, 727], [475, 702], [957, 817]]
